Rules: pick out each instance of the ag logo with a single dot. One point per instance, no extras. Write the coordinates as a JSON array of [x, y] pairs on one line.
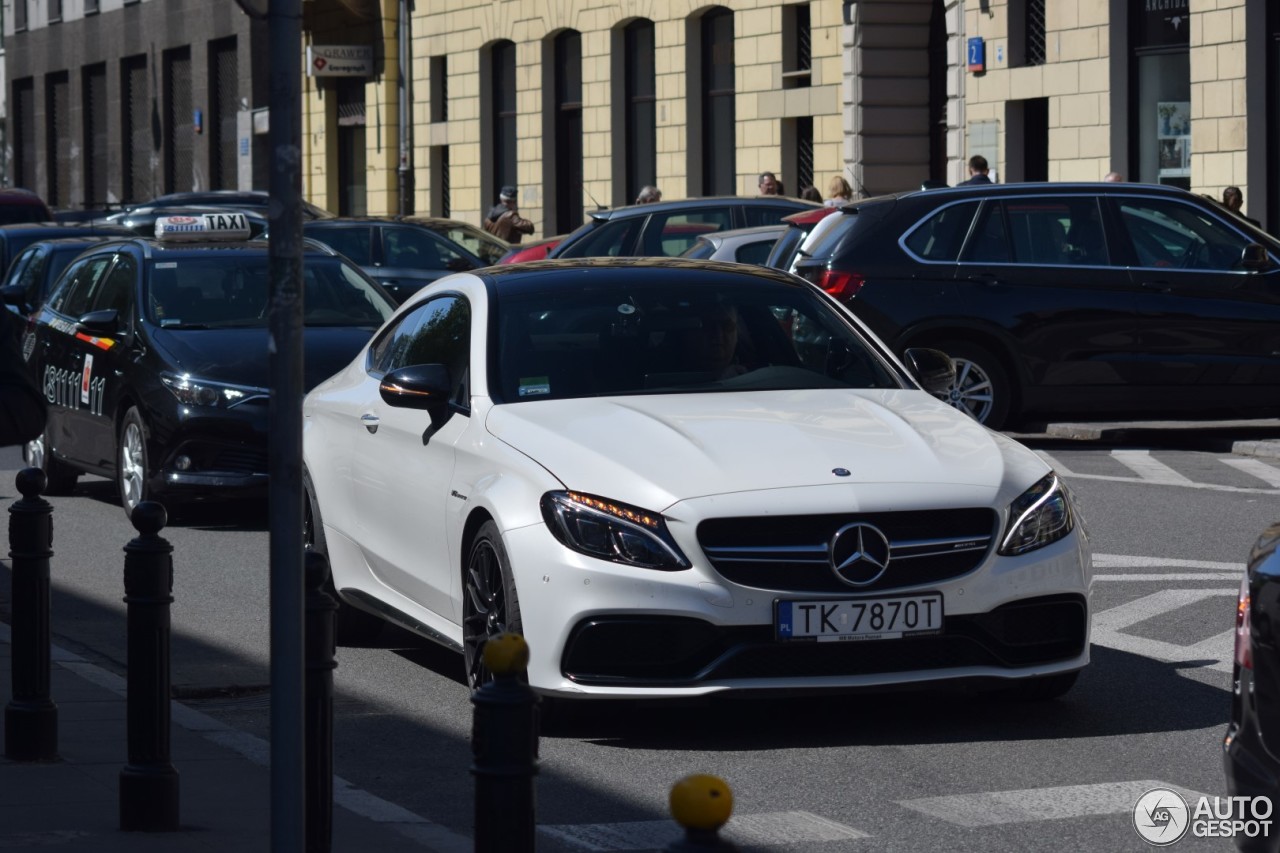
[[1161, 817]]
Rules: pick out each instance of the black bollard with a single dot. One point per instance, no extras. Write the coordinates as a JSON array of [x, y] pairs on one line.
[[31, 717], [319, 646], [504, 745], [701, 804], [149, 782]]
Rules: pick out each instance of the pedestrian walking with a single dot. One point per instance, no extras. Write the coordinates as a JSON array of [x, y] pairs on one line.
[[768, 184], [649, 195], [22, 408], [1233, 200], [978, 169], [504, 221], [838, 192]]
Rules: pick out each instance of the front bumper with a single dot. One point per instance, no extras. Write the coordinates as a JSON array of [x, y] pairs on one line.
[[197, 450], [601, 629]]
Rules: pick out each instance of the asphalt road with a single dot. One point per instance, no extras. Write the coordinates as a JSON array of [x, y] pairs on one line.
[[1170, 522]]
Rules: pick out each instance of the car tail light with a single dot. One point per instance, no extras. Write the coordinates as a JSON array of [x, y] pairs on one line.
[[1244, 644], [840, 284]]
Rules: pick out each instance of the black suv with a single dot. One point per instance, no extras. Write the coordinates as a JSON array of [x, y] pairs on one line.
[[670, 227], [1077, 299]]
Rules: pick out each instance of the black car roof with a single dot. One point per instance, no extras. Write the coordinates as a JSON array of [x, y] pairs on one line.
[[1033, 187], [699, 203]]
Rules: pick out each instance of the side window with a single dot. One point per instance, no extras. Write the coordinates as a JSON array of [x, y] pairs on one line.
[[990, 242], [409, 247], [79, 282], [436, 332], [754, 253], [1167, 233], [355, 243], [672, 234], [940, 237], [116, 290], [1056, 231], [28, 271], [612, 239]]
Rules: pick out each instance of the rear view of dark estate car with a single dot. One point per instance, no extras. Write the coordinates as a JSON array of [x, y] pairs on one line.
[[1076, 299]]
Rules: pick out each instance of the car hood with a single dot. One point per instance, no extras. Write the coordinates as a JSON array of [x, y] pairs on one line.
[[653, 451], [240, 356]]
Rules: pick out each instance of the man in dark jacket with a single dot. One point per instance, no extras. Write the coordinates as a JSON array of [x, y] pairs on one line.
[[504, 222], [22, 408], [978, 169]]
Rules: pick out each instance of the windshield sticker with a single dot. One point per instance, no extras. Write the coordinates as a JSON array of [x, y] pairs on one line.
[[534, 386]]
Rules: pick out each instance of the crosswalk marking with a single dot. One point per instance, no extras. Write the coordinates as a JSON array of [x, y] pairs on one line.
[[1146, 466], [1256, 468], [1160, 577], [1035, 804], [1116, 561], [1109, 625], [755, 830]]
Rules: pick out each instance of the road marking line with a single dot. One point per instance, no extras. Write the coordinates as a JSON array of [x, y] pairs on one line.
[[754, 830], [1035, 804], [1213, 487], [1117, 561], [1156, 576], [1150, 469], [1108, 625], [1268, 474]]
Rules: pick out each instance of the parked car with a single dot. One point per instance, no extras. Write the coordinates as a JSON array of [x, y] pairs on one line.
[[142, 220], [678, 478], [802, 229], [477, 241], [244, 201], [400, 254], [1087, 300], [19, 205], [535, 251], [153, 354], [15, 238], [36, 268], [738, 245], [670, 227]]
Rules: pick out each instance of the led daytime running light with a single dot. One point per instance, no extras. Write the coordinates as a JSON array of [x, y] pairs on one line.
[[624, 512]]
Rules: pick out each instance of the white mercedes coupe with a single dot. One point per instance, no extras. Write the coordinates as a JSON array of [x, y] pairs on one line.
[[676, 478]]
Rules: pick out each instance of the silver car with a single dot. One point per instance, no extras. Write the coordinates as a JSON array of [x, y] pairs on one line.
[[743, 245]]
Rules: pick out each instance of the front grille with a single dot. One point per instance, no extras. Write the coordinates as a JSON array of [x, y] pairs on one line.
[[790, 553], [241, 460], [668, 651]]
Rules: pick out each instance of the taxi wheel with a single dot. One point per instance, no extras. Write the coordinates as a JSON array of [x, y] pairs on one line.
[[60, 479], [352, 626], [982, 387], [489, 603], [132, 465]]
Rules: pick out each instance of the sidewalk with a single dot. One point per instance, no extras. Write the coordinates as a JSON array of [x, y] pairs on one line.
[[224, 782]]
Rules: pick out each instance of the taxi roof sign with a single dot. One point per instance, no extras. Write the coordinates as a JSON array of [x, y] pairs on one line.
[[231, 225]]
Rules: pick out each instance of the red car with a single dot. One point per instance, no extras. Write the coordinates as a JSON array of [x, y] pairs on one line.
[[535, 251]]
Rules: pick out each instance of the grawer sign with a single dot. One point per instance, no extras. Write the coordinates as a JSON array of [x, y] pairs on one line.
[[337, 60]]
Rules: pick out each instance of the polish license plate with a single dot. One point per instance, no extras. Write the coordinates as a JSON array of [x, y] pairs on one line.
[[886, 618]]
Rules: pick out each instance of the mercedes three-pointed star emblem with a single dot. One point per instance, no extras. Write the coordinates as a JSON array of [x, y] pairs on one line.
[[859, 553]]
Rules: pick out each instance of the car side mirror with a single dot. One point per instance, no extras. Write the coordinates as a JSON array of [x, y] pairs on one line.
[[15, 294], [933, 369], [1254, 257], [419, 386], [103, 322]]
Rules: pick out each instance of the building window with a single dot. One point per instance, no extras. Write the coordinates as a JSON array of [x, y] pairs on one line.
[[502, 104], [55, 11], [640, 123], [19, 15], [567, 133], [57, 138], [1161, 47], [797, 46], [439, 73], [441, 202], [179, 140], [24, 133], [91, 7], [137, 185], [353, 152], [224, 85], [719, 147], [797, 153], [1026, 32], [93, 85]]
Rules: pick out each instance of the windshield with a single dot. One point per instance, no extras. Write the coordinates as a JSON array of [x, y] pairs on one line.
[[738, 334], [233, 291]]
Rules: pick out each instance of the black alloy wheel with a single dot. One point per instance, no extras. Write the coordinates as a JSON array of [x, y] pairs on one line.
[[982, 387], [352, 626], [489, 603]]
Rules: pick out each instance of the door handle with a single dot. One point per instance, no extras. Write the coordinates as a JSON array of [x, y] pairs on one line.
[[1158, 286], [986, 278], [370, 423]]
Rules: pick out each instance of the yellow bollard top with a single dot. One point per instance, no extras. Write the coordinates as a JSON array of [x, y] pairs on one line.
[[701, 801], [506, 654]]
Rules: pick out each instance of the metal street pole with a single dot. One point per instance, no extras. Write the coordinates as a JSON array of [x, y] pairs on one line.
[[284, 26]]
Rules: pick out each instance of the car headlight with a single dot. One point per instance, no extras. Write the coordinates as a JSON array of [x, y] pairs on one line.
[[201, 392], [1042, 514], [599, 527]]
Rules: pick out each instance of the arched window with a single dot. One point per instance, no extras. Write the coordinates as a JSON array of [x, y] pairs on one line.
[[639, 140]]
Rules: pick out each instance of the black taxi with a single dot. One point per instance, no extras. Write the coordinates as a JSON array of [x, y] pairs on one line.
[[153, 355]]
